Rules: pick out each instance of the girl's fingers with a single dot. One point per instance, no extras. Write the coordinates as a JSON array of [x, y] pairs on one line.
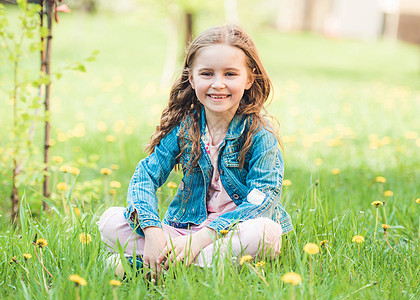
[[162, 255]]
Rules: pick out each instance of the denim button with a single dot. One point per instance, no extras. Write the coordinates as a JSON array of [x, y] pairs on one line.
[[235, 196]]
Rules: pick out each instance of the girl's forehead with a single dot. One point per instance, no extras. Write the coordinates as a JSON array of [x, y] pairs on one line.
[[218, 55]]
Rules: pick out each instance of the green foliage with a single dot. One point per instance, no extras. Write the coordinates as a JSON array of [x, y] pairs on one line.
[[19, 43]]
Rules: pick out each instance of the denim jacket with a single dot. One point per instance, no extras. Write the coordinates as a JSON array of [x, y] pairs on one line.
[[255, 188]]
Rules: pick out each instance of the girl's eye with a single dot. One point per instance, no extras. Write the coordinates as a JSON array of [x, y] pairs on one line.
[[206, 74], [230, 74]]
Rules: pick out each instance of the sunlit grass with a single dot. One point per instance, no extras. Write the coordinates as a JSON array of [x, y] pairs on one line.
[[348, 113]]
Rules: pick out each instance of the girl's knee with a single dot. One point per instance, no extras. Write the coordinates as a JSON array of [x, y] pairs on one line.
[[108, 223]]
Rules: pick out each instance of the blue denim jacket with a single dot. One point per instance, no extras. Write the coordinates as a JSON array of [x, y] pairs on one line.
[[255, 188]]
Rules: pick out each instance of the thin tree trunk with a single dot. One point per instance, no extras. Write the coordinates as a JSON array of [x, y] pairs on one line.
[[50, 5], [189, 28]]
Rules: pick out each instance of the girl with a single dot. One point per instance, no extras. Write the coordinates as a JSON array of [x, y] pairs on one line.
[[232, 165]]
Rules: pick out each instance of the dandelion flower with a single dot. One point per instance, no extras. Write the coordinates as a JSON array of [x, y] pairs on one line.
[[62, 186], [287, 182], [41, 243], [74, 171], [418, 200], [172, 185], [358, 239], [85, 238], [112, 192], [114, 282], [106, 171], [323, 243], [224, 231], [318, 161], [115, 167], [292, 278], [110, 138], [115, 184], [27, 256], [76, 211], [311, 248], [244, 259], [385, 227], [388, 194], [78, 280], [260, 264], [380, 179], [14, 260], [335, 171], [57, 159], [377, 203], [64, 168]]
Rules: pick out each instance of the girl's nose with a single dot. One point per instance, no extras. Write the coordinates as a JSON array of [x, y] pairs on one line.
[[218, 83]]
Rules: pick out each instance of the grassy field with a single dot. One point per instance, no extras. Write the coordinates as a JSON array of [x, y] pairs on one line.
[[349, 113]]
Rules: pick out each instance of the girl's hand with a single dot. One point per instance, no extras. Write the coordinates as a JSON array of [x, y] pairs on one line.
[[154, 243], [185, 248]]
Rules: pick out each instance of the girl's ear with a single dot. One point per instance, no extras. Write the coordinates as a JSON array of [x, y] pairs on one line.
[[250, 82], [191, 80]]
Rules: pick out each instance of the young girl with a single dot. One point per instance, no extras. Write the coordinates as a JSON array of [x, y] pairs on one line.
[[229, 197]]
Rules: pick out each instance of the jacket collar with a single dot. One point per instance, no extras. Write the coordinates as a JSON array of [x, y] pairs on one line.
[[236, 126]]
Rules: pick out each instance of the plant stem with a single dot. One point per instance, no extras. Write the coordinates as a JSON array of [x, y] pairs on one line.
[[376, 223]]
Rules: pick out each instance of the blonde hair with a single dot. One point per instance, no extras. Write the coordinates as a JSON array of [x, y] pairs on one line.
[[185, 109]]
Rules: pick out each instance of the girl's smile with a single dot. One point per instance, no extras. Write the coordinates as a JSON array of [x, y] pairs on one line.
[[220, 77]]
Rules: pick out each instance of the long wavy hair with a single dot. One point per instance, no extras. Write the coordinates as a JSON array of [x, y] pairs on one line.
[[185, 109]]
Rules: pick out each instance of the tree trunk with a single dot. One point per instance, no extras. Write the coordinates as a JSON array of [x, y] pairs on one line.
[[50, 5], [189, 28]]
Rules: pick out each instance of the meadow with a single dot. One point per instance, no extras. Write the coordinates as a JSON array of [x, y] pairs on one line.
[[349, 123]]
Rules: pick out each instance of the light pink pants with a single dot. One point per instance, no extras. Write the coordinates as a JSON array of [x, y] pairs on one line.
[[261, 236]]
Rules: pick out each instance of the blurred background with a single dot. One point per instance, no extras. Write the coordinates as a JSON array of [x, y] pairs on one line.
[[345, 73]]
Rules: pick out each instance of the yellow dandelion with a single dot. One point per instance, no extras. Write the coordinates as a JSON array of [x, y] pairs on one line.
[[62, 186], [106, 171], [112, 192], [110, 138], [388, 194], [114, 282], [260, 264], [115, 184], [380, 179], [57, 159], [385, 227], [172, 185], [318, 161], [85, 238], [76, 211], [224, 231], [358, 239], [292, 278], [41, 243], [311, 248], [64, 168], [335, 171], [244, 259], [115, 167], [323, 243], [14, 260], [74, 171], [27, 256], [287, 182], [377, 203], [418, 200], [78, 280]]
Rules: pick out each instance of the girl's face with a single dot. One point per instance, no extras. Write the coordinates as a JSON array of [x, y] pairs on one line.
[[219, 77]]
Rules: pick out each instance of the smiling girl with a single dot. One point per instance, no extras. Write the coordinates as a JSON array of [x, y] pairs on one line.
[[229, 197]]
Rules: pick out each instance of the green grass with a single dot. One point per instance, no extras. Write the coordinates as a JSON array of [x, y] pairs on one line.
[[354, 105]]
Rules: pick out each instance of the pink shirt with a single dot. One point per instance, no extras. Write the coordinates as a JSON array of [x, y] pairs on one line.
[[218, 200]]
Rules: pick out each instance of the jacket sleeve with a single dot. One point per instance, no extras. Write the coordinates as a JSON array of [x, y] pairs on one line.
[[263, 182], [150, 174]]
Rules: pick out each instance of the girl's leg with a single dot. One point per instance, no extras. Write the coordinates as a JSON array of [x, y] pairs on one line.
[[114, 227], [261, 236]]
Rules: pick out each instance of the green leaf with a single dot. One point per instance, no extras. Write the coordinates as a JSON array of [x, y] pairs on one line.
[[79, 67]]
